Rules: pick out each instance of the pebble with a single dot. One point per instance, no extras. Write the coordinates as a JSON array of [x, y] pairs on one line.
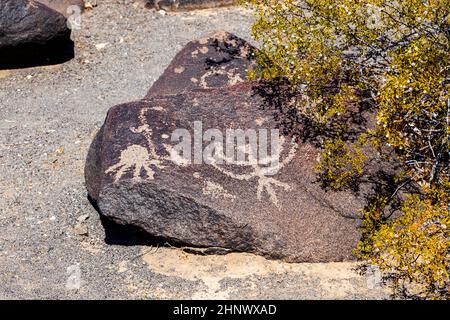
[[81, 229], [82, 218], [101, 46]]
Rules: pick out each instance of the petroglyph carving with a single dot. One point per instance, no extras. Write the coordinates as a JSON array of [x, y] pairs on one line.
[[145, 158], [262, 170], [233, 77], [136, 157]]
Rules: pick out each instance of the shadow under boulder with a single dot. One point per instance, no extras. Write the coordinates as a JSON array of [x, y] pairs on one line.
[[28, 55]]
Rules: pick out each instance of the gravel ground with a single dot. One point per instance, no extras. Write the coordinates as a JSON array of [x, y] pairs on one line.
[[52, 242]]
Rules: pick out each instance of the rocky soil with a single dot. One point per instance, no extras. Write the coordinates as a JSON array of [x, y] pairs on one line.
[[52, 241]]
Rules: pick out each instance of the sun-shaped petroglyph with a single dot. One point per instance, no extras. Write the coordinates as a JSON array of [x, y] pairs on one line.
[[262, 170], [137, 157]]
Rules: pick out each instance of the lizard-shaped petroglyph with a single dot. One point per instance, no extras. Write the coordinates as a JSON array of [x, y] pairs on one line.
[[137, 157]]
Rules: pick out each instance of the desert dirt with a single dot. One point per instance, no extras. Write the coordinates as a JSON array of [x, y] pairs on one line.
[[52, 241]]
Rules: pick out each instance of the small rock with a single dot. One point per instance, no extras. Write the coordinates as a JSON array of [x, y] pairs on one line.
[[60, 150], [82, 218], [122, 267], [88, 6], [81, 229], [101, 46]]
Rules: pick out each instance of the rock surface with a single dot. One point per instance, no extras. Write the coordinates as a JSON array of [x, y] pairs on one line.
[[218, 60], [179, 5], [136, 178], [28, 21]]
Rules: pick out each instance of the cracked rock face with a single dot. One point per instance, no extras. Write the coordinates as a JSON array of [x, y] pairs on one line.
[[138, 176], [218, 60], [29, 22]]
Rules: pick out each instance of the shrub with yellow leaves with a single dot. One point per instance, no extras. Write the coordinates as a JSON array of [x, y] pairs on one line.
[[376, 77]]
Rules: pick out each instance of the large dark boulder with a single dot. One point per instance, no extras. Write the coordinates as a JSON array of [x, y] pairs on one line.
[[32, 34], [28, 21], [137, 178], [181, 5], [218, 60]]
